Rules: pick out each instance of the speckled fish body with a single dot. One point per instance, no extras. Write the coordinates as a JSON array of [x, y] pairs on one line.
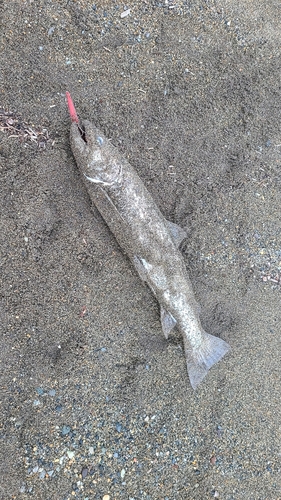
[[149, 240]]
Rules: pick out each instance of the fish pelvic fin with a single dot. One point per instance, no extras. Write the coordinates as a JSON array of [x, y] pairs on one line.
[[178, 234], [200, 360]]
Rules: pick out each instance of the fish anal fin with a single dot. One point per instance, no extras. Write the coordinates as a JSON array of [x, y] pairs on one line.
[[200, 360], [168, 322], [178, 234]]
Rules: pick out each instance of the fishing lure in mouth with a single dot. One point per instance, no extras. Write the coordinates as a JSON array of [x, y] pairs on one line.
[[147, 238], [73, 114]]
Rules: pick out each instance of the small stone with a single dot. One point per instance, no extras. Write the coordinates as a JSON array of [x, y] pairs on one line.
[[125, 13], [65, 430], [106, 497], [42, 474], [70, 454], [36, 402], [84, 472], [122, 473], [52, 392], [91, 450]]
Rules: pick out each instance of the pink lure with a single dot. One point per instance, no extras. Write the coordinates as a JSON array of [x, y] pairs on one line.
[[71, 108]]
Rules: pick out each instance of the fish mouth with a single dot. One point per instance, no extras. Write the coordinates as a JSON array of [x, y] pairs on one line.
[[81, 129]]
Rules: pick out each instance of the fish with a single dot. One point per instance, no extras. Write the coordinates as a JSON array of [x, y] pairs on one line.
[[149, 240]]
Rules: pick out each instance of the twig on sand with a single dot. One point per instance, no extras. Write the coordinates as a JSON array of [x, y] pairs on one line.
[[15, 127]]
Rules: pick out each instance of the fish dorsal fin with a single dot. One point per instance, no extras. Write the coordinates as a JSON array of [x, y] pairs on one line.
[[178, 234], [168, 322]]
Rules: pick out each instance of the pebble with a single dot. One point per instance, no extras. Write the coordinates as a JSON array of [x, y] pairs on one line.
[[70, 454], [122, 473], [84, 472], [125, 13], [65, 430], [52, 392], [106, 497]]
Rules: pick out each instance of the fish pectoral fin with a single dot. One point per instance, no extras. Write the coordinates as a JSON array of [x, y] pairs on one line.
[[200, 360], [140, 267], [168, 322], [178, 234]]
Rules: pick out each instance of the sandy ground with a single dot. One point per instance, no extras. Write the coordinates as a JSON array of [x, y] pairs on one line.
[[96, 404]]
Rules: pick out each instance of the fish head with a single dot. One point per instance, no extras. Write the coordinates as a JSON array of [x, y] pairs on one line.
[[94, 154]]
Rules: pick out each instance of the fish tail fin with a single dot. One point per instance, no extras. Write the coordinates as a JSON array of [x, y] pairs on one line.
[[200, 360]]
